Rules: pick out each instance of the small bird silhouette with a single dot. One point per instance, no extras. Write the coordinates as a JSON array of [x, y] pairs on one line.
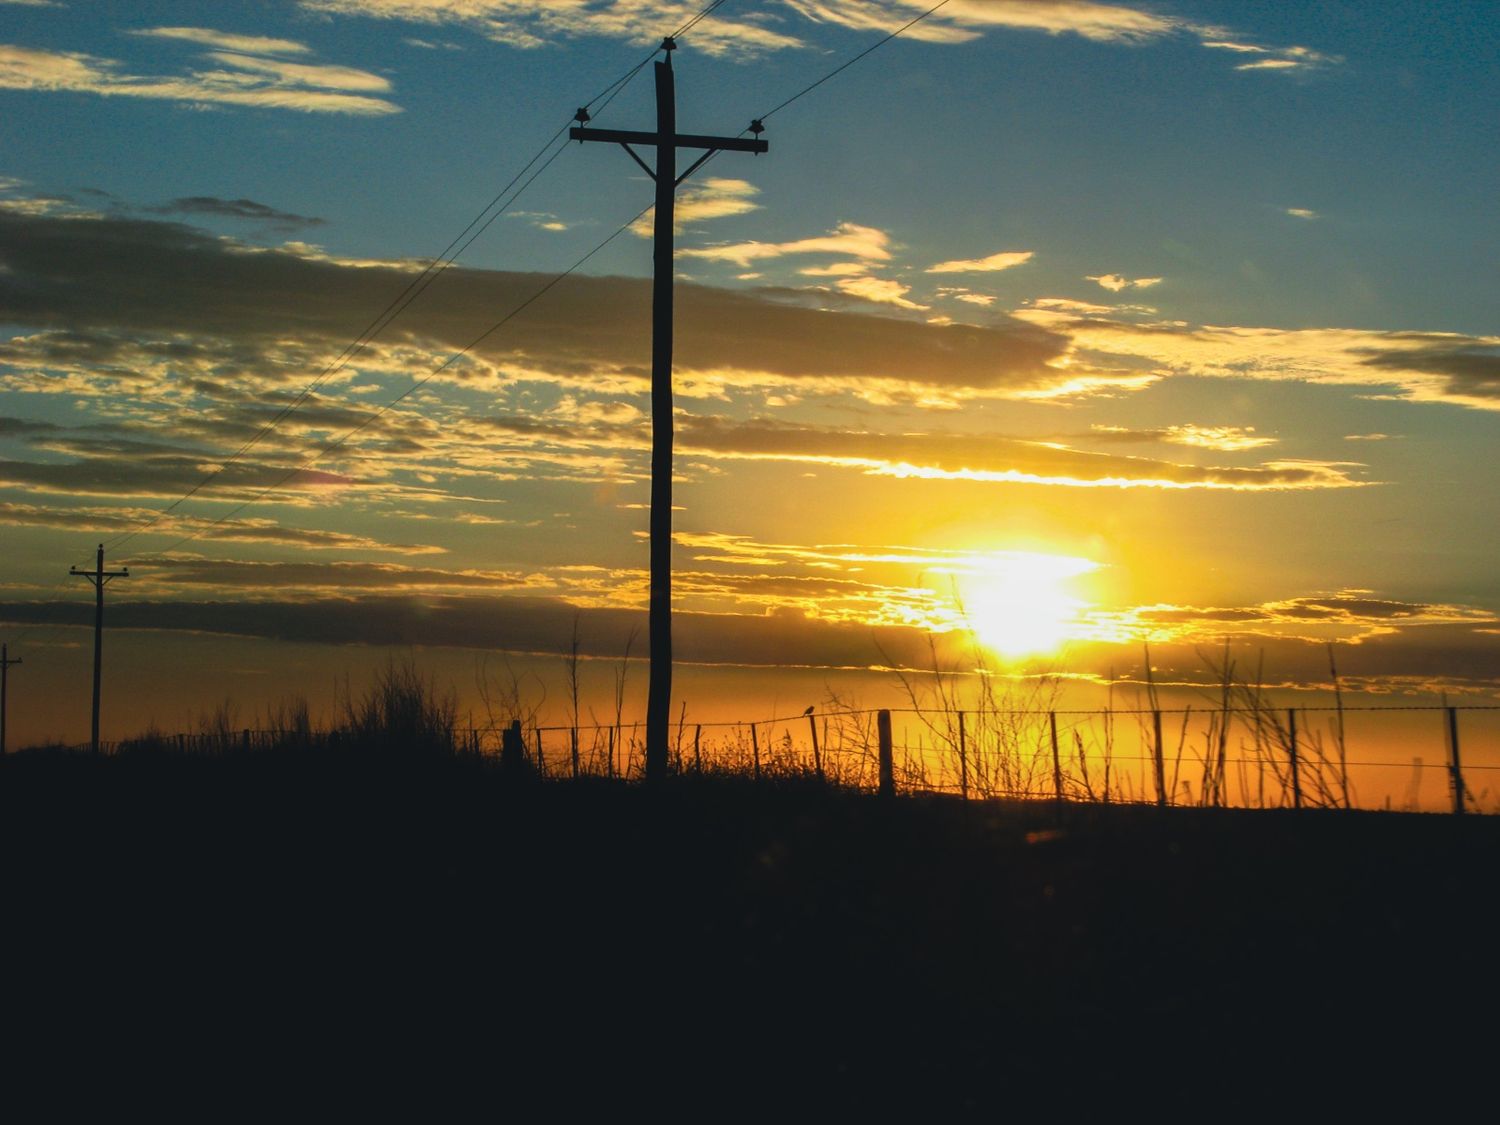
[[809, 711]]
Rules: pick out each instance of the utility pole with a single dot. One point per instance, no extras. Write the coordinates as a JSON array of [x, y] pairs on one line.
[[100, 578], [667, 141], [5, 663]]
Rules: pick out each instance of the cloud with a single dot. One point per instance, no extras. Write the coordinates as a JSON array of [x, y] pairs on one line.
[[235, 209], [1225, 439], [1348, 615], [879, 290], [1115, 283], [1004, 260], [960, 21], [120, 519], [847, 240], [1301, 213], [1418, 366], [537, 23], [984, 457], [227, 41], [250, 81], [103, 294], [713, 198], [837, 269]]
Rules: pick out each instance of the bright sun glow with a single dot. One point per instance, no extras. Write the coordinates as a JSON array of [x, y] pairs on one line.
[[1018, 602]]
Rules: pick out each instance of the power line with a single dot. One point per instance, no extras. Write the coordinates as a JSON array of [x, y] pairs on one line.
[[308, 462], [398, 304], [845, 66], [413, 290], [422, 282]]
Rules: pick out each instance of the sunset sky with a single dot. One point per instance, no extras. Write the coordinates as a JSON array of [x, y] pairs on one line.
[[1060, 325]]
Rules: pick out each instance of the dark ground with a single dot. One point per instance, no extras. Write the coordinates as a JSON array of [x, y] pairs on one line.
[[310, 934]]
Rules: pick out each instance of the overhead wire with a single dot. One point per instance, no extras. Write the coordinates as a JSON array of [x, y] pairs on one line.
[[846, 65], [434, 269], [398, 304], [413, 290], [376, 415], [602, 99]]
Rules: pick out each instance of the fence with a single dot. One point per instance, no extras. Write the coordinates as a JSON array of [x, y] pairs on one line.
[[1394, 757]]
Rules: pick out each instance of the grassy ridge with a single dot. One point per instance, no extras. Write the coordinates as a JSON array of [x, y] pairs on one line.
[[373, 919]]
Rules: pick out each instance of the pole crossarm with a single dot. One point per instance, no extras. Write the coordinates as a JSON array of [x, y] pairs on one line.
[[97, 577], [681, 140]]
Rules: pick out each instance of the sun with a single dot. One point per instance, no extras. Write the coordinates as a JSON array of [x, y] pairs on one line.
[[1018, 603]]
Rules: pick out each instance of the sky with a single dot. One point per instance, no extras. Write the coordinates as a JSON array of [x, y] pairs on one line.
[[1048, 330]]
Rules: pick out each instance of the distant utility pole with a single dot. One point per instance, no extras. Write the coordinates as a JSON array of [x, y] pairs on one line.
[[667, 141], [5, 663], [100, 578]]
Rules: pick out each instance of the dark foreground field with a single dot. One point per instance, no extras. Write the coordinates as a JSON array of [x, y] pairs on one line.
[[318, 934]]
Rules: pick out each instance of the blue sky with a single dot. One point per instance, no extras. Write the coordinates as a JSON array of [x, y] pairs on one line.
[[1196, 300]]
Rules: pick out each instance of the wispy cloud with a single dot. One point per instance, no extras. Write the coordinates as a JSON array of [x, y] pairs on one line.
[[994, 458], [536, 23], [880, 290], [1116, 283], [226, 41], [962, 20], [1416, 366], [849, 240], [249, 80], [1004, 260], [1301, 212], [235, 209], [713, 198], [1224, 439]]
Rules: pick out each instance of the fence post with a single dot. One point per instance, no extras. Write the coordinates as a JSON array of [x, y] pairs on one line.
[[755, 747], [1453, 762], [697, 758], [1291, 727], [812, 725], [1156, 757], [963, 759], [573, 748], [1057, 786], [887, 761], [245, 739], [541, 762]]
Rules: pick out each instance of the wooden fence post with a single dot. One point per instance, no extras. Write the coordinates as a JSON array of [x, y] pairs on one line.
[[1455, 771], [697, 758], [755, 747], [1157, 759], [541, 762], [963, 759], [812, 725], [1291, 727], [887, 760], [1057, 780]]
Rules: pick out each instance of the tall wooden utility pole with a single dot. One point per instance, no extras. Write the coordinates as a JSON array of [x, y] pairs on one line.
[[100, 578], [667, 141], [5, 663]]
